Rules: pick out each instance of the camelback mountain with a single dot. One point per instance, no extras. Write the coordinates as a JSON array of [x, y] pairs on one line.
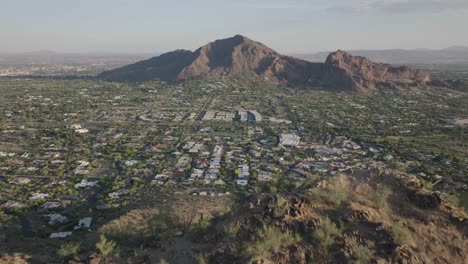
[[241, 57]]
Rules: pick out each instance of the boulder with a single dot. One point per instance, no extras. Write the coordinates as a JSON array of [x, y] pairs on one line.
[[424, 199]]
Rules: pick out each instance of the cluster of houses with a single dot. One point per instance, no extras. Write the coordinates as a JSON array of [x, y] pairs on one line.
[[250, 116], [243, 174], [219, 116], [247, 153]]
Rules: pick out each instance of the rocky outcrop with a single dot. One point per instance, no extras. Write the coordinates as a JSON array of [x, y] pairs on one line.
[[241, 57], [359, 73], [424, 199]]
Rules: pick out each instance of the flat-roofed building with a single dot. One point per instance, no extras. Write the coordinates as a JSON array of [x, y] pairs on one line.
[[289, 140]]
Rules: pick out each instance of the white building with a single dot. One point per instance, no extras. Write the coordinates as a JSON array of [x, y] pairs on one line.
[[36, 196], [289, 140], [86, 184]]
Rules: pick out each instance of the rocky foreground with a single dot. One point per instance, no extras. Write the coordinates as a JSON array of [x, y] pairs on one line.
[[360, 217]]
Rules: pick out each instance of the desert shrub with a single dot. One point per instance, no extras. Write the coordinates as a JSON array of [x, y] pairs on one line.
[[202, 258], [326, 233], [231, 230], [146, 226], [198, 230], [427, 184], [400, 234], [161, 225], [68, 250], [131, 228], [310, 180], [279, 206], [268, 240], [411, 223], [336, 193], [106, 248], [379, 196], [185, 220], [163, 261], [140, 254], [3, 216], [361, 254]]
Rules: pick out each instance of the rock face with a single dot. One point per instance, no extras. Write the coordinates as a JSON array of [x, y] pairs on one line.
[[361, 74], [240, 57]]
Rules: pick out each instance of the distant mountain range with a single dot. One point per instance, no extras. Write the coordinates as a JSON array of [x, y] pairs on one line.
[[53, 54], [402, 56], [241, 57], [397, 56]]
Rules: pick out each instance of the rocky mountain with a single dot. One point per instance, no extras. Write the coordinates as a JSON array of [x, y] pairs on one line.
[[362, 74], [241, 57]]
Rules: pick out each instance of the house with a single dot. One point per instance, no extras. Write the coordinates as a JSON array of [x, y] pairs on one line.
[[219, 182], [60, 234], [160, 179], [20, 181], [242, 182], [36, 196], [130, 163], [83, 223], [117, 194], [183, 162], [82, 131], [86, 184], [80, 171], [212, 174], [48, 206], [196, 148], [197, 173], [264, 176], [289, 140], [56, 219], [12, 204]]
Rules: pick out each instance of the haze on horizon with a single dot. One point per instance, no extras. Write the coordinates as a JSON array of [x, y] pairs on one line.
[[294, 26]]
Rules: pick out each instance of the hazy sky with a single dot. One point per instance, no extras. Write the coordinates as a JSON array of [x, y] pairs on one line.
[[290, 26]]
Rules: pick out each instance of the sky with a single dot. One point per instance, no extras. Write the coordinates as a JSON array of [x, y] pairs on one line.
[[289, 26]]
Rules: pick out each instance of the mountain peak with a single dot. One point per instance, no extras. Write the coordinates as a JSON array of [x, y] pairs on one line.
[[238, 36], [337, 57], [232, 42]]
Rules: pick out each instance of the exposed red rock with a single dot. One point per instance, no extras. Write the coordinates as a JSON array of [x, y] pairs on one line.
[[361, 74], [240, 57]]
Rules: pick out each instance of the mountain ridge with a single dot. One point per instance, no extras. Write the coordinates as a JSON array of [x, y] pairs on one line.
[[241, 57]]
